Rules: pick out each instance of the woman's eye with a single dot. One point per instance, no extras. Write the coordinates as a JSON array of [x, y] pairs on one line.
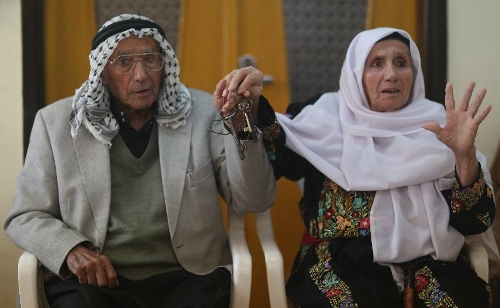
[[402, 63]]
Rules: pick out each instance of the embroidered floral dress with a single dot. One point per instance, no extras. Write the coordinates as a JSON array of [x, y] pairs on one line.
[[334, 266]]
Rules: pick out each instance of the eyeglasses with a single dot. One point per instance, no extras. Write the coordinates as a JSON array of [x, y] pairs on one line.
[[152, 61]]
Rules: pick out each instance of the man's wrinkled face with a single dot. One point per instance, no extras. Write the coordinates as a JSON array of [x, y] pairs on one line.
[[137, 90]]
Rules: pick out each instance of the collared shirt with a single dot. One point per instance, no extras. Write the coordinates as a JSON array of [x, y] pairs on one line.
[[136, 141]]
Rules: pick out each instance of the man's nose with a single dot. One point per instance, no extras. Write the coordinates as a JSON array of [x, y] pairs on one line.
[[139, 70]]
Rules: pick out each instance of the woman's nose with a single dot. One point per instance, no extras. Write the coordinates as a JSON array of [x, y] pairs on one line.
[[390, 72]]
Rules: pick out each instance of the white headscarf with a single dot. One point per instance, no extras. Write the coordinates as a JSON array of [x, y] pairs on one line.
[[91, 101], [386, 152]]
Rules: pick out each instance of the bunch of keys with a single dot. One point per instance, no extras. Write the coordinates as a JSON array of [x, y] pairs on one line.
[[248, 125]]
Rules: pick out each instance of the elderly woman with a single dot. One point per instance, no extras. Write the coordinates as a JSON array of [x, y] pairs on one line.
[[393, 184]]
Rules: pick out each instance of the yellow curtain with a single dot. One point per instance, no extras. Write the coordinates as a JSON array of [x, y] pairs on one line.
[[406, 15], [69, 27]]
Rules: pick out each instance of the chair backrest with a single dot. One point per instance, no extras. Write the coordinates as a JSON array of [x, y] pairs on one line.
[[242, 261], [273, 259]]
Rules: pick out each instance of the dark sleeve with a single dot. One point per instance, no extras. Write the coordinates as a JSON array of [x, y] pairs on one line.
[[295, 108], [285, 162], [472, 207]]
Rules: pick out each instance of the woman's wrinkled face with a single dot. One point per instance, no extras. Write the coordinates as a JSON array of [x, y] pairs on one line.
[[137, 90], [388, 76]]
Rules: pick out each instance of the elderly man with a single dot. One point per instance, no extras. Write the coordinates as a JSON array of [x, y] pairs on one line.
[[119, 194]]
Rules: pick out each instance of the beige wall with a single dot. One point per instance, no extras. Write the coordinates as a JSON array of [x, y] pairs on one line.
[[474, 55], [10, 138]]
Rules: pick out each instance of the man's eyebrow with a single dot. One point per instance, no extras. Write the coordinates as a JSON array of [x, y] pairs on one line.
[[127, 52]]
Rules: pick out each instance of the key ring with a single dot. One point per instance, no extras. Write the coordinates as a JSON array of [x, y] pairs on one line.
[[223, 118], [249, 126], [229, 117]]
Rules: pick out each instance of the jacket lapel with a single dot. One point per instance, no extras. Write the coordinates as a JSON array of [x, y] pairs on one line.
[[93, 159], [174, 148]]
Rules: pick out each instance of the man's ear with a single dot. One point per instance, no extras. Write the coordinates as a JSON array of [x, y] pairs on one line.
[[104, 78]]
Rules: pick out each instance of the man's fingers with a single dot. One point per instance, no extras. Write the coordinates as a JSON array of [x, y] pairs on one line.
[[91, 278], [91, 267], [82, 278], [112, 277], [106, 274], [219, 94], [100, 273], [219, 88]]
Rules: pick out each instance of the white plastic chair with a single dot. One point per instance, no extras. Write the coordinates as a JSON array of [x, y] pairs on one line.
[[31, 273], [479, 258], [242, 261], [273, 259], [30, 281]]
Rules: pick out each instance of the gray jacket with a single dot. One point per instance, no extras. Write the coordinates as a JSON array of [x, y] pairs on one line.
[[63, 192]]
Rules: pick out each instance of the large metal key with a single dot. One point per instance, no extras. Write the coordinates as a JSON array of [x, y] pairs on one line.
[[249, 125], [239, 146]]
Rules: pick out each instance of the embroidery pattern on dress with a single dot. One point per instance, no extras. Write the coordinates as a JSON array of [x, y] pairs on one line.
[[484, 218], [269, 135], [464, 198], [428, 290], [271, 132], [336, 290], [341, 213]]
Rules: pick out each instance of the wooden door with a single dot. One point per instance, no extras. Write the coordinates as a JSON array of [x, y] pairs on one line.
[[213, 36]]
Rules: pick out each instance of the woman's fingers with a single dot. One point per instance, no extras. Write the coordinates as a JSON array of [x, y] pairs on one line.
[[449, 99], [482, 115], [478, 100], [432, 127], [464, 104]]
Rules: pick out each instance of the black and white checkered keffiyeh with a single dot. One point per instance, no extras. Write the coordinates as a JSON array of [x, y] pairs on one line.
[[91, 103]]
